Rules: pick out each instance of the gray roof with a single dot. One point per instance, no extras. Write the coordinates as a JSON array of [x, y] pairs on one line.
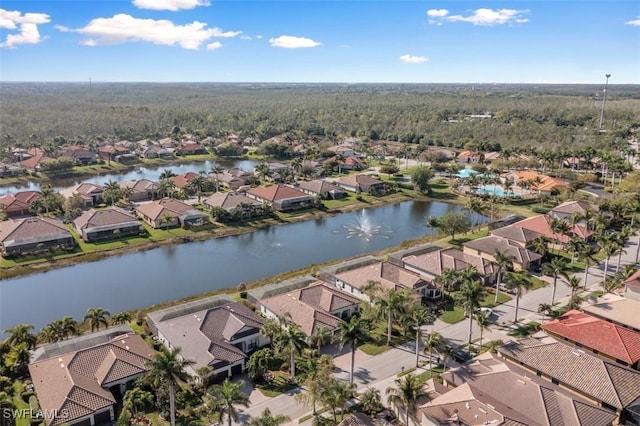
[[516, 233], [493, 244]]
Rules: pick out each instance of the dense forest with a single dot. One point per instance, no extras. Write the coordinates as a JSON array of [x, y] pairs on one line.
[[549, 116]]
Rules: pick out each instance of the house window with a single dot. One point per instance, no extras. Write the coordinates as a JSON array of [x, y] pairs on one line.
[[555, 381]]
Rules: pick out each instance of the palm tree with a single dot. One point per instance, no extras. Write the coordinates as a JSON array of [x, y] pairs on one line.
[[166, 174], [472, 291], [574, 245], [296, 165], [621, 240], [408, 390], [52, 332], [229, 394], [292, 340], [587, 255], [483, 320], [559, 227], [268, 419], [432, 340], [476, 206], [540, 245], [97, 317], [520, 282], [165, 188], [432, 224], [271, 328], [112, 188], [137, 399], [263, 170], [258, 363], [69, 326], [543, 308], [371, 401], [353, 333], [503, 263], [216, 170], [448, 280], [320, 337], [608, 247], [555, 268], [574, 283], [21, 333], [417, 318], [336, 394], [166, 368], [121, 318], [197, 184], [391, 306]]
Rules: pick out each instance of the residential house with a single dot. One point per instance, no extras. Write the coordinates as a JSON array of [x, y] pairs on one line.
[[276, 170], [345, 150], [522, 259], [228, 180], [601, 337], [19, 203], [618, 310], [567, 209], [355, 277], [357, 419], [281, 197], [467, 157], [492, 156], [33, 234], [542, 225], [113, 152], [323, 189], [312, 307], [346, 163], [9, 170], [81, 154], [78, 381], [489, 390], [32, 158], [215, 332], [191, 148], [184, 180], [167, 212], [90, 193], [430, 261], [524, 238], [107, 224], [542, 184], [361, 183], [631, 286], [604, 383], [141, 190], [156, 151], [233, 201]]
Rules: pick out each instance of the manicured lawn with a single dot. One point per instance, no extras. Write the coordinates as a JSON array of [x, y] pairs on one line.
[[423, 377], [18, 388], [489, 300], [525, 330], [373, 349], [280, 384], [453, 316]]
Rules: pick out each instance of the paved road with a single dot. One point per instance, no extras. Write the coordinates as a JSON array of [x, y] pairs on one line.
[[381, 371]]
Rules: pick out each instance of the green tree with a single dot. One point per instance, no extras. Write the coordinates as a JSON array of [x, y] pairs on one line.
[[472, 292], [21, 333], [519, 282], [271, 328], [112, 191], [137, 399], [258, 363], [453, 223], [268, 419], [121, 318], [407, 391], [96, 318], [228, 395], [421, 177], [371, 401], [320, 337], [391, 305], [503, 263], [353, 333], [291, 341], [432, 224], [417, 318], [336, 394], [432, 341], [166, 368], [483, 320], [557, 267]]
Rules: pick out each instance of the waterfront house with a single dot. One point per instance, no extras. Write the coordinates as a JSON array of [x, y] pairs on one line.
[[80, 154], [232, 201], [9, 170], [33, 235], [312, 307], [522, 259], [617, 343], [323, 189], [361, 183], [542, 225], [191, 148], [184, 180], [215, 332], [602, 382], [78, 381], [32, 158], [156, 151], [19, 203], [281, 197], [141, 190], [107, 224], [90, 193], [228, 180], [114, 153], [167, 212]]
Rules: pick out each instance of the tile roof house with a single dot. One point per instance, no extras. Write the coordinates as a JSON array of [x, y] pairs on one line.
[[80, 154], [191, 148], [317, 305], [522, 236], [281, 197], [107, 224], [183, 180], [231, 201], [168, 212], [632, 287], [523, 259], [321, 188], [215, 332], [547, 184], [616, 309], [141, 190], [19, 203], [32, 158], [361, 183], [357, 419], [228, 180], [568, 208], [491, 391], [467, 157], [156, 151], [607, 384], [9, 169], [612, 341], [389, 275], [77, 387], [112, 152], [33, 234], [430, 260], [90, 193], [542, 225]]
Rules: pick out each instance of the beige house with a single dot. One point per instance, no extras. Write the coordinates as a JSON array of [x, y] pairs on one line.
[[167, 212], [107, 224], [33, 234], [522, 259]]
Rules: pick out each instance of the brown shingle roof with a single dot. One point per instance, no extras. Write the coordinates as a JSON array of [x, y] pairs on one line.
[[170, 206], [491, 244], [390, 276], [276, 193], [33, 229], [434, 262], [319, 186], [516, 233], [229, 200], [98, 218], [357, 419], [353, 180]]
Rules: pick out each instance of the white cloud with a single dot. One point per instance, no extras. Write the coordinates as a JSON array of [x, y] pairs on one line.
[[635, 22], [291, 42], [27, 25], [172, 5], [246, 37], [483, 16], [259, 36], [410, 59], [437, 13], [124, 28], [213, 46]]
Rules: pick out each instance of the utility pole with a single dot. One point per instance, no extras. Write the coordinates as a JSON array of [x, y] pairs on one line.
[[604, 99]]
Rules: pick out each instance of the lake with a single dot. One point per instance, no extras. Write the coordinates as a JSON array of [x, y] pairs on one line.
[[135, 280]]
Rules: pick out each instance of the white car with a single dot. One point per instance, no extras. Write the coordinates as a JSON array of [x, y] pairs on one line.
[[486, 310]]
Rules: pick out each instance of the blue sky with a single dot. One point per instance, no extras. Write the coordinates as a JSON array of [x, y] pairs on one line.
[[321, 41]]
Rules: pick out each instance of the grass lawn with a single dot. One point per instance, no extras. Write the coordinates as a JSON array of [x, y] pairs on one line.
[[453, 316], [372, 349], [525, 330], [423, 377], [279, 385], [18, 388], [490, 300]]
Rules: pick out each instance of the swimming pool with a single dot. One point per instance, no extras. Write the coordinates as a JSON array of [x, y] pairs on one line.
[[465, 173], [495, 190]]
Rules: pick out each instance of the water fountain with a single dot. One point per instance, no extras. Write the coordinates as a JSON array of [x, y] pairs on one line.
[[363, 228]]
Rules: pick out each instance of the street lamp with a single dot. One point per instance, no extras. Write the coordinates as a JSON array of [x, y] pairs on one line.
[[604, 99]]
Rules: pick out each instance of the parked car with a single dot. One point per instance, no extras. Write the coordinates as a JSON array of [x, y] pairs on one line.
[[486, 310], [461, 355]]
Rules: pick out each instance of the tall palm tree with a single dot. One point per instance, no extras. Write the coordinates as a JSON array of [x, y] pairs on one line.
[[268, 419], [448, 280], [52, 332], [320, 337], [608, 246], [587, 255], [69, 326], [433, 340], [574, 283], [391, 305], [292, 340], [353, 333], [229, 394], [407, 391], [216, 170], [432, 224], [271, 328], [166, 174], [483, 320], [197, 184], [97, 317], [574, 245], [503, 263], [621, 240], [336, 394], [543, 308], [112, 188], [166, 369], [520, 282], [472, 292], [555, 268], [121, 318], [540, 245], [559, 227], [21, 333], [417, 318]]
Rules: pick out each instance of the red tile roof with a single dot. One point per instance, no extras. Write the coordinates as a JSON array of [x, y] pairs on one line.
[[607, 338], [276, 192], [633, 280], [182, 181], [541, 224]]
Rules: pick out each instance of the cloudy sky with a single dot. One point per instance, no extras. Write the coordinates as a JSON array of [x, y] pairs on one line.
[[520, 41]]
